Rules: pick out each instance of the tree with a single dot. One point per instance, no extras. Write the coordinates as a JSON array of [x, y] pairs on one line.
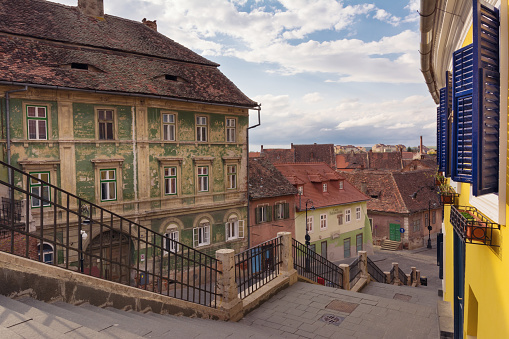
[[409, 149]]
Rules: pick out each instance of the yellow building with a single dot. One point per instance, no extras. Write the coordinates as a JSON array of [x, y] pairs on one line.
[[464, 59]]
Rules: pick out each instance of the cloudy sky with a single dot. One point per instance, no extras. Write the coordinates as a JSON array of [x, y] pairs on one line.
[[325, 71]]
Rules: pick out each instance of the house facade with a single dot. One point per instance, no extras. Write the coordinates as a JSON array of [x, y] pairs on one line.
[[464, 63], [120, 115], [271, 202], [329, 209]]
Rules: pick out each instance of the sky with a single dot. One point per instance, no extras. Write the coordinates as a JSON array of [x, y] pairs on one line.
[[325, 71]]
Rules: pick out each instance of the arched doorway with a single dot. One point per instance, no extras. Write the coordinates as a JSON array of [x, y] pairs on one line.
[[111, 256]]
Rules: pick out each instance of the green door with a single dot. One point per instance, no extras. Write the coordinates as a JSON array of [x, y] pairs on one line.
[[394, 232]]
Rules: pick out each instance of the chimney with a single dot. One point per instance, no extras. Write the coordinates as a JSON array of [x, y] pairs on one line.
[[93, 8], [150, 24], [421, 145]]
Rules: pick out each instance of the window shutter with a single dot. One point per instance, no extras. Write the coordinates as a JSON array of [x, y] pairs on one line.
[[195, 237], [176, 238], [443, 127], [241, 228], [287, 211], [486, 98], [257, 215], [462, 107], [226, 230], [269, 213]]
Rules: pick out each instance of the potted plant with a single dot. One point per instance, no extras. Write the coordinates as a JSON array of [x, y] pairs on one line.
[[447, 194], [439, 179], [476, 229]]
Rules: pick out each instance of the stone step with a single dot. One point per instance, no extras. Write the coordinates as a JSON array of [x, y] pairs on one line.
[[391, 245]]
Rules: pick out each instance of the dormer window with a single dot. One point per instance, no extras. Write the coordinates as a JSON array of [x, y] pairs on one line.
[[341, 184], [324, 186], [76, 65]]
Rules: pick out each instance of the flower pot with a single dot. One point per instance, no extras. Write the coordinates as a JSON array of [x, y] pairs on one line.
[[447, 199], [476, 228]]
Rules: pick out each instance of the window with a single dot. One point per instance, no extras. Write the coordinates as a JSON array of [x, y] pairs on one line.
[[39, 189], [309, 225], [282, 210], [263, 214], [201, 128], [169, 127], [234, 229], [201, 234], [300, 190], [106, 124], [170, 180], [346, 248], [203, 178], [416, 224], [47, 253], [232, 176], [230, 130], [324, 187], [340, 219], [37, 122], [434, 217], [371, 224], [348, 215], [323, 221], [358, 240], [108, 185], [358, 213], [341, 184], [171, 238], [426, 219]]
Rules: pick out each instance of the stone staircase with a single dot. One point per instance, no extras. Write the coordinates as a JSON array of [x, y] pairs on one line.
[[391, 245], [30, 318]]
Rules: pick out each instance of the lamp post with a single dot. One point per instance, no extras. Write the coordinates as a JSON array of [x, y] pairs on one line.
[[429, 223], [308, 238]]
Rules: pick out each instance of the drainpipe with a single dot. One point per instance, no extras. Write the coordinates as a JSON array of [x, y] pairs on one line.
[[258, 108], [427, 13], [8, 124], [135, 162]]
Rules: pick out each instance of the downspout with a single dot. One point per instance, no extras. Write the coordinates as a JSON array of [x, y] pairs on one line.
[[135, 163], [258, 108], [427, 13], [8, 124]]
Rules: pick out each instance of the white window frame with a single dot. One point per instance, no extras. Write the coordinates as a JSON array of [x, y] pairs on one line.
[[106, 122], [358, 213], [324, 187], [416, 225], [201, 128], [348, 216], [37, 188], [169, 178], [169, 126], [171, 246], [280, 211], [341, 184], [231, 174], [231, 129], [201, 234], [108, 181], [264, 211], [234, 229], [50, 251], [202, 173], [323, 222], [36, 119], [300, 190], [309, 224]]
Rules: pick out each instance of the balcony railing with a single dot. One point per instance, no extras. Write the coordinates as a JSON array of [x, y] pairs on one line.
[[473, 226]]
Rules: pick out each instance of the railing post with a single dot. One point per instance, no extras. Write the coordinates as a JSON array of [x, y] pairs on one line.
[[346, 276], [395, 267], [387, 277], [226, 284], [408, 280], [286, 251], [414, 276], [363, 260], [418, 277]]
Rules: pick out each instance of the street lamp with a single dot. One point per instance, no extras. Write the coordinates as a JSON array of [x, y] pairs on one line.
[[429, 223], [83, 236], [308, 238]]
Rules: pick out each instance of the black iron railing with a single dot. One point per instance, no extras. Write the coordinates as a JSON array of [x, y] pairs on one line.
[[392, 275], [78, 235], [473, 227], [257, 266], [355, 269], [314, 267], [10, 214], [402, 276], [376, 273]]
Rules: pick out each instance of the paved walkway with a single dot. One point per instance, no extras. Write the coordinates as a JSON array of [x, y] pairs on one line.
[[384, 311]]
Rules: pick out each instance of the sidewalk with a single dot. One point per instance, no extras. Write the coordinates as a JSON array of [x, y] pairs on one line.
[[313, 311]]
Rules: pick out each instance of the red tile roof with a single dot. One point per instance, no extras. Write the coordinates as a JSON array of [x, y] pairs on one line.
[[307, 173], [39, 40], [266, 181]]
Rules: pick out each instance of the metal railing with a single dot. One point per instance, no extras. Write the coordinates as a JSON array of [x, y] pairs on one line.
[[257, 266], [314, 267], [81, 236], [391, 276], [472, 226], [376, 273], [402, 276], [355, 269]]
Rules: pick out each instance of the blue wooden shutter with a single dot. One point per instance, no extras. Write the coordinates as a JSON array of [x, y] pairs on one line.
[[461, 169], [486, 98], [443, 127]]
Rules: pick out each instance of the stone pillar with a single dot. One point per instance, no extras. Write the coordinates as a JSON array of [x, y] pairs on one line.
[[363, 259], [414, 276], [408, 280], [418, 277], [286, 252], [346, 276], [387, 277], [395, 266], [226, 285]]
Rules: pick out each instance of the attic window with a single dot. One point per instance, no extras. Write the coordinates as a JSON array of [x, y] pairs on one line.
[[341, 185], [374, 196], [171, 77], [76, 65]]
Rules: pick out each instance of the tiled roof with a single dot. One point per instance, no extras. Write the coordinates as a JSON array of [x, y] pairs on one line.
[[314, 191], [315, 153], [352, 160], [266, 181], [39, 46], [278, 155], [392, 191], [371, 160]]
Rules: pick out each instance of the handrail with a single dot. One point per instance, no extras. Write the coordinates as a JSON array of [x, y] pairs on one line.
[[375, 272], [402, 276], [117, 249], [355, 269]]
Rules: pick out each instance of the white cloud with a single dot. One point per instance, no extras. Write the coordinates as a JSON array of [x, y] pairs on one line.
[[312, 97]]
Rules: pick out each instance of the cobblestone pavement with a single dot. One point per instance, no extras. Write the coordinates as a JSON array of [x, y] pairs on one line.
[[313, 311]]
